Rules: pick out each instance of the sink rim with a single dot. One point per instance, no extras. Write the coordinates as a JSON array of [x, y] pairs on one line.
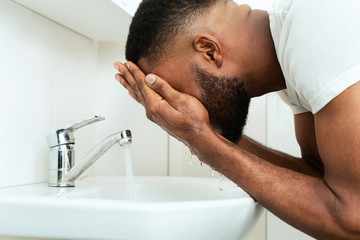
[[102, 182]]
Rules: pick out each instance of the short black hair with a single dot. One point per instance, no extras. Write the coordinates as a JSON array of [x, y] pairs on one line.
[[157, 22]]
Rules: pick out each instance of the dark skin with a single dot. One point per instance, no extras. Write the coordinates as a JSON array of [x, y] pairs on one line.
[[319, 193]]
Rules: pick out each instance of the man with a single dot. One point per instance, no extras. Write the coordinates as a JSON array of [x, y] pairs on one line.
[[206, 59]]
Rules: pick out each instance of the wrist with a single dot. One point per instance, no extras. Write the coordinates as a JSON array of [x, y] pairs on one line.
[[206, 144], [200, 137]]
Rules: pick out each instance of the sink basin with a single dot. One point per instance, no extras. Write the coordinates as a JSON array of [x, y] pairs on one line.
[[99, 208]]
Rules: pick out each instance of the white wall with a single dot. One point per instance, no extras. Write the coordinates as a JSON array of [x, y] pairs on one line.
[[47, 73], [51, 77]]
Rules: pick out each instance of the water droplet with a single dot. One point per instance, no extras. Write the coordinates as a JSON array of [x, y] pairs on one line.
[[222, 177], [222, 180]]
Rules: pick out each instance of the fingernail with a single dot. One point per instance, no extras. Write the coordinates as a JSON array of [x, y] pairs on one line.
[[117, 78], [116, 66], [150, 79], [128, 65]]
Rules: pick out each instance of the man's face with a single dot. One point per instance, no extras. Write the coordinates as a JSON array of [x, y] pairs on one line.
[[224, 97]]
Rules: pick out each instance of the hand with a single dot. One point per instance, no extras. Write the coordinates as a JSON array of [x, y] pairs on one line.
[[181, 115]]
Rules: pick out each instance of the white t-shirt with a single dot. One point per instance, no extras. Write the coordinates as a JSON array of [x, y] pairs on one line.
[[318, 46]]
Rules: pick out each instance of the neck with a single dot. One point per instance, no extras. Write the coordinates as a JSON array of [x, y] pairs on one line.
[[264, 67]]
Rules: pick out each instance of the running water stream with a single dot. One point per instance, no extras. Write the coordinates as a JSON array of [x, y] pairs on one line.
[[130, 184]]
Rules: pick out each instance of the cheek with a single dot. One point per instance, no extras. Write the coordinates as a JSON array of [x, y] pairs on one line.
[[196, 92], [189, 87]]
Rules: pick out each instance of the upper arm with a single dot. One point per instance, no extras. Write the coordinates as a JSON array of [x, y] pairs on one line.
[[337, 128]]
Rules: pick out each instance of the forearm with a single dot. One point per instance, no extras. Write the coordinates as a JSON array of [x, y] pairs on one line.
[[300, 200], [278, 158]]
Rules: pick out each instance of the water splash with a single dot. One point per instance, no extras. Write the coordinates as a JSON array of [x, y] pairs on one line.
[[187, 153]]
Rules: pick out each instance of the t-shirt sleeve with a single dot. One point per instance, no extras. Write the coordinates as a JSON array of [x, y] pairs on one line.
[[296, 109], [319, 49]]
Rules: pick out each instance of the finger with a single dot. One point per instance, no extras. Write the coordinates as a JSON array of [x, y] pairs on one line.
[[137, 74], [124, 71], [159, 112], [164, 89], [126, 85]]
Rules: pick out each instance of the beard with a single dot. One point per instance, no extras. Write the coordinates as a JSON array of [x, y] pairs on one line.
[[226, 100]]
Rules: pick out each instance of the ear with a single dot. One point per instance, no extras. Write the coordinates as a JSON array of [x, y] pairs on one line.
[[210, 48]]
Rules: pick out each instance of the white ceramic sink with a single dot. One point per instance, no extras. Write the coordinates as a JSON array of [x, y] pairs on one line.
[[98, 208]]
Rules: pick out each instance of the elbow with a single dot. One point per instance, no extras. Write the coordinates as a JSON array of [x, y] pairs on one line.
[[352, 228], [350, 231], [349, 222], [343, 227], [344, 212]]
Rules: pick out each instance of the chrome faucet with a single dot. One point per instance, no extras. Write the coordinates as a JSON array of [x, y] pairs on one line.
[[62, 172]]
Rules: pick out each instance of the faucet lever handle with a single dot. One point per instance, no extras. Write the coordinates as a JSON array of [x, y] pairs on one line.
[[66, 136], [84, 123]]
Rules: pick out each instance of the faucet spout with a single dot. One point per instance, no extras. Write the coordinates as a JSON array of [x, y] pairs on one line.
[[95, 153], [61, 169]]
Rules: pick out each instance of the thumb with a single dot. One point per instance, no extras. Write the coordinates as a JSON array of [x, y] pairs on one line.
[[161, 87]]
